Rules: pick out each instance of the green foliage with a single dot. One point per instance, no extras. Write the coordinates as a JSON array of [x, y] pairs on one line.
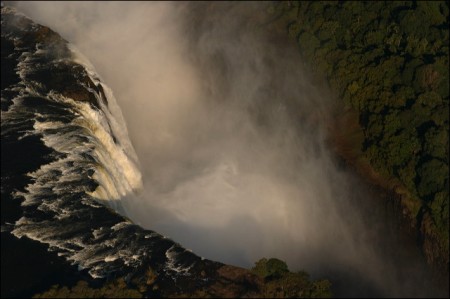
[[294, 29], [402, 95], [308, 42], [430, 99], [116, 289], [435, 144], [439, 208], [320, 289], [374, 38], [280, 282], [407, 175], [390, 62], [433, 175], [272, 268], [409, 70]]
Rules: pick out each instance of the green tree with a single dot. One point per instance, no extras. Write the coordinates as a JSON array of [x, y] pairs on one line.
[[432, 176], [272, 268]]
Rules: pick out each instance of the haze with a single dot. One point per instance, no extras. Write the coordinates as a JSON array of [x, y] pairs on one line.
[[230, 133]]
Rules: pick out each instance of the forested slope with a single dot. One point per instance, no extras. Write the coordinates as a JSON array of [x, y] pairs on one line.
[[388, 62]]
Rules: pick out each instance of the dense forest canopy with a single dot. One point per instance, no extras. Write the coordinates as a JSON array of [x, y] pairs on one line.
[[389, 62]]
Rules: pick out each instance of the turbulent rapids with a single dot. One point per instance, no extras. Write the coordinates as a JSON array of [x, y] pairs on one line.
[[231, 135], [91, 138], [54, 98]]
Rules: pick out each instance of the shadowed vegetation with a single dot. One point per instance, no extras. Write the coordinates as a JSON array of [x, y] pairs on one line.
[[388, 62], [281, 283]]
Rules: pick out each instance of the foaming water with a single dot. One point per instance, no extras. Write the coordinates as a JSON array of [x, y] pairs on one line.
[[90, 158], [230, 132], [118, 173]]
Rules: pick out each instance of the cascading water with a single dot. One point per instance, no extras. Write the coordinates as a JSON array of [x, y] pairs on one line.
[[231, 140], [88, 163]]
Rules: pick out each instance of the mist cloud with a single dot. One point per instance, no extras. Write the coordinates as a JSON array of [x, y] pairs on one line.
[[229, 131]]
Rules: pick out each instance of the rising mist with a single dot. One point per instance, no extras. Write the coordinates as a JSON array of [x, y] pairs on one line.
[[230, 132]]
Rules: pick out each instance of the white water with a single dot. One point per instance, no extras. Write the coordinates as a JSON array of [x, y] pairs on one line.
[[217, 179], [119, 174], [60, 189]]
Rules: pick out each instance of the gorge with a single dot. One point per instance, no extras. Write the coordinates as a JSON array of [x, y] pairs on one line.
[[231, 135]]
